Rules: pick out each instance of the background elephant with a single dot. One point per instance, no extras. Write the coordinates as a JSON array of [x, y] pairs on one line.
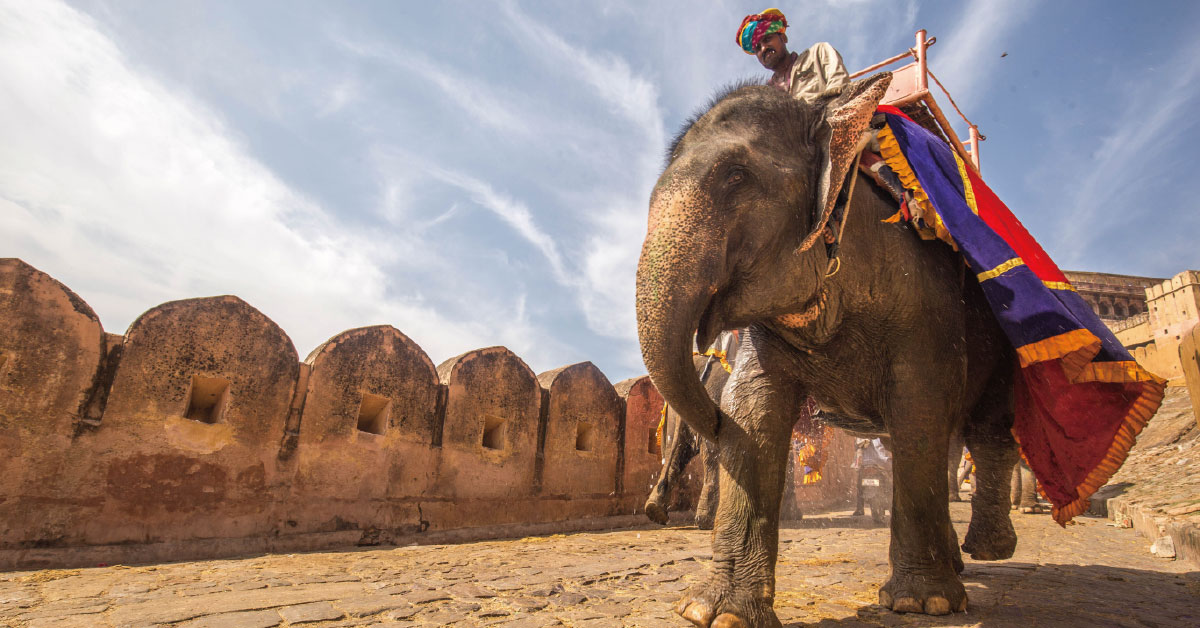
[[681, 445], [900, 341]]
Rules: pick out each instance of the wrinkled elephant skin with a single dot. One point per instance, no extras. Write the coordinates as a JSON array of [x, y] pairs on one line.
[[901, 344]]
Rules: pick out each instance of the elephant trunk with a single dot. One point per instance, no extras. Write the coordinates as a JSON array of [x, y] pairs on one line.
[[674, 286]]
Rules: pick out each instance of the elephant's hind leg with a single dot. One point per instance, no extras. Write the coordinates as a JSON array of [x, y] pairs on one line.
[[752, 447], [991, 535], [923, 556], [681, 450]]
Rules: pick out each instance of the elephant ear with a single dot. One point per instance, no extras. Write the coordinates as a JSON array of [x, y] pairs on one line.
[[846, 117]]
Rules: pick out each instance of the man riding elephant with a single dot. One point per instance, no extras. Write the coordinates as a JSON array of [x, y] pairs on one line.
[[812, 75]]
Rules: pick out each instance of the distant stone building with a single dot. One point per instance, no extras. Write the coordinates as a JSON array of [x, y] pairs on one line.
[[1112, 297], [1149, 316]]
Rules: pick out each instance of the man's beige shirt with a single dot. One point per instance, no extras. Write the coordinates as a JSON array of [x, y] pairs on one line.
[[818, 73]]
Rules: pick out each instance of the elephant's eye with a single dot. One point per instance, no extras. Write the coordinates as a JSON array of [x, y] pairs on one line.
[[735, 176]]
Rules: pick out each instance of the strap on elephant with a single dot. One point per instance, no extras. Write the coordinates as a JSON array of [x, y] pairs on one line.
[[841, 210]]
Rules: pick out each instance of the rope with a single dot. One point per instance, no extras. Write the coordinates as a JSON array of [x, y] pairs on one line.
[[720, 355], [951, 99], [830, 270], [662, 420]]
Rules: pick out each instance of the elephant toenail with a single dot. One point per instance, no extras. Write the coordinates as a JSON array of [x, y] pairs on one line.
[[908, 605], [727, 620], [697, 613], [962, 606], [937, 605], [885, 599]]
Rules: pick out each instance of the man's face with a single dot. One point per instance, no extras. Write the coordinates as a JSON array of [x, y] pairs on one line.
[[771, 50]]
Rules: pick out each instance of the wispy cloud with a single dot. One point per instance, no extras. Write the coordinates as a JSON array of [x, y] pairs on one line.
[[513, 212], [473, 95], [1140, 144], [617, 221], [134, 194], [966, 55], [610, 77]]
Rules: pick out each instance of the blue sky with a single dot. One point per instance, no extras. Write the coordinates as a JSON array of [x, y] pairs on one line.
[[477, 173]]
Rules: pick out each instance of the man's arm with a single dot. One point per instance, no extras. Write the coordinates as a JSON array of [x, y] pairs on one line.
[[818, 74], [832, 70]]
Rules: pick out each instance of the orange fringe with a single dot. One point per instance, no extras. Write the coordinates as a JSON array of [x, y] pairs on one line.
[[889, 148], [1075, 348]]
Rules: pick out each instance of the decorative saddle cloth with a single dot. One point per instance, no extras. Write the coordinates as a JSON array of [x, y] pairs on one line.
[[1081, 399]]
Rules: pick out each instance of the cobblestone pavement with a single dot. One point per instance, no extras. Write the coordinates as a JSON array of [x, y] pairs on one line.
[[1089, 574]]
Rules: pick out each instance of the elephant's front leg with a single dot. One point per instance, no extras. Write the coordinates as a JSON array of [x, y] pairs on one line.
[[924, 556], [752, 448]]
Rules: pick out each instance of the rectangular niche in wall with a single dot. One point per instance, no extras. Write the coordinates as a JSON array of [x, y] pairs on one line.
[[653, 446], [584, 436], [373, 413], [207, 399], [493, 433]]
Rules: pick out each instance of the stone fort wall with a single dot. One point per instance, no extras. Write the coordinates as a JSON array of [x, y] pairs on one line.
[[201, 433]]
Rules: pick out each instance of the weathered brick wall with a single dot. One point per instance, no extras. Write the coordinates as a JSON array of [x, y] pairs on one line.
[[199, 431], [51, 351], [643, 451]]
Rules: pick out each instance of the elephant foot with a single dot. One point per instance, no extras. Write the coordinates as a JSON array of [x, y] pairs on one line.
[[704, 521], [656, 512], [913, 593], [996, 540], [718, 605]]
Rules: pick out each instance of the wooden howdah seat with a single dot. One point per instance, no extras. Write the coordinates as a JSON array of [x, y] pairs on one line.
[[909, 91]]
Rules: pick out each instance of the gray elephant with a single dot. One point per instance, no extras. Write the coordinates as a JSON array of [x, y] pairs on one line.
[[682, 445], [898, 342]]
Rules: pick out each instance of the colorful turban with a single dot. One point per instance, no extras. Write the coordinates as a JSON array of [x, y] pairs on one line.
[[755, 27]]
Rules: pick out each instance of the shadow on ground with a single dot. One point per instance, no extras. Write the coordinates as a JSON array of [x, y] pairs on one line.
[[1016, 594]]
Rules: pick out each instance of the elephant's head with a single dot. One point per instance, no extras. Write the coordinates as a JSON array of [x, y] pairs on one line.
[[747, 184]]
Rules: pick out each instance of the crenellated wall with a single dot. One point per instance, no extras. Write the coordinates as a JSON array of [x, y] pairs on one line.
[[200, 433]]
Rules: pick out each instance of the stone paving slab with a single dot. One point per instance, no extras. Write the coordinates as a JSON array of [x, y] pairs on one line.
[[1088, 574]]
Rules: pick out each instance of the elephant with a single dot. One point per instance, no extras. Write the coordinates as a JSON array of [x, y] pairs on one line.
[[682, 445], [898, 341]]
